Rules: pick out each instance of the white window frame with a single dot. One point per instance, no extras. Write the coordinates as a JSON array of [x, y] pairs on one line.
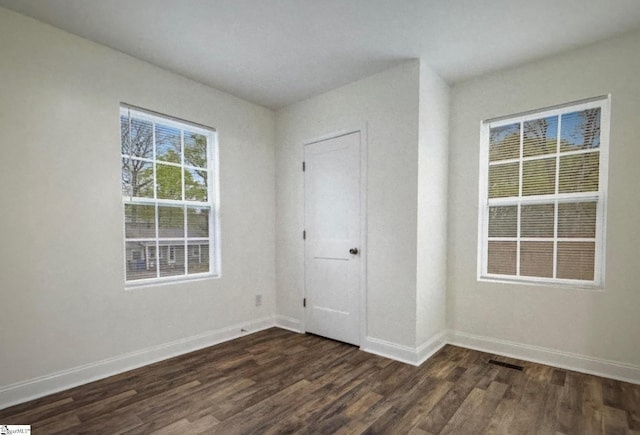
[[602, 102], [212, 203]]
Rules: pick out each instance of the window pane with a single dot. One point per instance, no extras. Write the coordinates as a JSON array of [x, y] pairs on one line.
[[140, 264], [198, 257], [197, 222], [576, 260], [137, 178], [124, 134], [536, 259], [504, 142], [580, 130], [168, 144], [169, 181], [537, 220], [195, 184], [503, 221], [195, 149], [126, 178], [579, 173], [172, 262], [501, 258], [503, 180], [139, 221], [170, 222], [577, 219], [136, 138], [540, 136], [539, 177]]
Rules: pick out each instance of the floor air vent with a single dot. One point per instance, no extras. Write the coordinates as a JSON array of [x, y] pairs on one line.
[[507, 365]]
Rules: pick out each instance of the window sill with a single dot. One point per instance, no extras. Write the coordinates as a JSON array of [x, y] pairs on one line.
[[575, 285], [155, 282]]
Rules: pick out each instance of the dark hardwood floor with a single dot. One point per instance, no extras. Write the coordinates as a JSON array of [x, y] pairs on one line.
[[277, 381]]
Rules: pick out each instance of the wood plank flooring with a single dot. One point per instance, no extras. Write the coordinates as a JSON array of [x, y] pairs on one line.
[[276, 381]]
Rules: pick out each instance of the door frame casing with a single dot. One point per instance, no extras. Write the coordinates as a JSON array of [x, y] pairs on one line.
[[362, 299]]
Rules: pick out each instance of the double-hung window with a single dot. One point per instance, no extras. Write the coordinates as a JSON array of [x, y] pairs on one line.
[[169, 192], [543, 179]]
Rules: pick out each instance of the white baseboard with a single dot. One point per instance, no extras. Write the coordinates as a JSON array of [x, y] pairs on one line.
[[427, 349], [31, 389], [44, 385], [406, 354], [391, 350], [565, 360], [570, 361], [289, 323]]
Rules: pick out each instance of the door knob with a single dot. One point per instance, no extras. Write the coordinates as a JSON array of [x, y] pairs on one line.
[[353, 251]]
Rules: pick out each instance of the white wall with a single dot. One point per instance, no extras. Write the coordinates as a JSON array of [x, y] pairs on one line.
[[598, 324], [62, 299], [388, 104], [433, 154]]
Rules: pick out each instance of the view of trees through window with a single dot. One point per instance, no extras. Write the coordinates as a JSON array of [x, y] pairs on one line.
[[137, 139], [543, 196], [165, 187]]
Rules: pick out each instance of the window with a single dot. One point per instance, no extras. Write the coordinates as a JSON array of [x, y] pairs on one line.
[[543, 179], [172, 254], [169, 191]]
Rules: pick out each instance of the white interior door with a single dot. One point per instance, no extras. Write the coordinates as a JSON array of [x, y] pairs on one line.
[[332, 243]]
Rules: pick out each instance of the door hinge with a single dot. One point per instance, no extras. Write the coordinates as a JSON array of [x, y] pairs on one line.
[[304, 302], [304, 166], [304, 235]]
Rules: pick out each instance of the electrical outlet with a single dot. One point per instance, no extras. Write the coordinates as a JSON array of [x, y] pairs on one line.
[[258, 300]]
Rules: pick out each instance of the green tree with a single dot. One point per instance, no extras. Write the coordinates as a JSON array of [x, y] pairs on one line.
[[137, 175], [195, 154]]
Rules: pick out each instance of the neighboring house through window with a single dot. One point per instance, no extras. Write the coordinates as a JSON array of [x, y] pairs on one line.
[[543, 178], [169, 191]]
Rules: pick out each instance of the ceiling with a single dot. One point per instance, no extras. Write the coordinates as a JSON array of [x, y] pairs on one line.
[[277, 52]]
